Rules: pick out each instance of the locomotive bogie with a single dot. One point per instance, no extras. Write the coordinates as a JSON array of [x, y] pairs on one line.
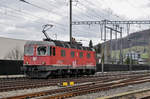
[[51, 71]]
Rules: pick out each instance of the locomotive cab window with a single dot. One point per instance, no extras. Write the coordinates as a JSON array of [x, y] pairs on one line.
[[28, 50], [88, 55], [54, 51], [41, 50], [50, 51]]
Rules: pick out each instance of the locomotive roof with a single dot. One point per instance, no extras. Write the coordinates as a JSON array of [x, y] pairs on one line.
[[75, 45], [40, 43]]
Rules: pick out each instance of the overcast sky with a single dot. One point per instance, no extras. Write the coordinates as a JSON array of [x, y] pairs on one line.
[[20, 20]]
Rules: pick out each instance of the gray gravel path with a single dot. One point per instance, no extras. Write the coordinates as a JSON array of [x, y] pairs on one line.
[[114, 91]]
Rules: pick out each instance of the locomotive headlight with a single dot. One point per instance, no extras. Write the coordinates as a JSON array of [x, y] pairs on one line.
[[27, 62], [43, 63]]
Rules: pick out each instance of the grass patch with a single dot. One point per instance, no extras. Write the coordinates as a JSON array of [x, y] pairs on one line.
[[141, 49]]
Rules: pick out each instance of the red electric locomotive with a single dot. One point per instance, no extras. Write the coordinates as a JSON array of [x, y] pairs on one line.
[[44, 58], [52, 57]]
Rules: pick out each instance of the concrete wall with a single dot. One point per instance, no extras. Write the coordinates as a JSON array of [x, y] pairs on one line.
[[7, 45]]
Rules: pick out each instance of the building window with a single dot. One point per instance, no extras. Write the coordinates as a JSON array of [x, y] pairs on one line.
[[72, 53], [81, 54], [54, 51], [139, 55], [88, 55], [63, 53]]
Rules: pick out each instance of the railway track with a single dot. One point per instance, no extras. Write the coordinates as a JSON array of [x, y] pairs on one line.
[[137, 94], [24, 83], [41, 83], [97, 85], [96, 88]]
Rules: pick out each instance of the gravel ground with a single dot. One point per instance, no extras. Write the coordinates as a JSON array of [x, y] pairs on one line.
[[26, 91], [114, 91], [88, 96]]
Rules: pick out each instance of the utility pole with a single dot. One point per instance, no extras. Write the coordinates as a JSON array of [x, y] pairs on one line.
[[121, 54], [70, 21], [111, 45], [104, 49], [116, 45], [128, 30], [103, 58]]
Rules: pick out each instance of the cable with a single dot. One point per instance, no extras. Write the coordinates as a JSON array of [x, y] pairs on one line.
[[57, 30], [26, 13], [40, 7], [85, 31], [87, 13], [17, 18], [91, 3]]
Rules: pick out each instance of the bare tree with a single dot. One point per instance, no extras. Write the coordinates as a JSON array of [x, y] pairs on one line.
[[14, 54]]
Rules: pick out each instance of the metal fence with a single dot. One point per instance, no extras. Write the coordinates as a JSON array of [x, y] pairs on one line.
[[10, 67], [13, 67], [119, 67]]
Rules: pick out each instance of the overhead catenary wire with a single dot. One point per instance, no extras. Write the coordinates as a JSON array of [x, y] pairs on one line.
[[93, 13], [63, 26], [76, 17], [38, 22], [34, 5], [104, 11], [45, 9], [16, 26], [31, 16], [87, 14], [42, 8]]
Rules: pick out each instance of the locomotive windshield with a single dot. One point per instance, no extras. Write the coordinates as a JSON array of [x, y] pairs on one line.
[[41, 50], [28, 50]]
